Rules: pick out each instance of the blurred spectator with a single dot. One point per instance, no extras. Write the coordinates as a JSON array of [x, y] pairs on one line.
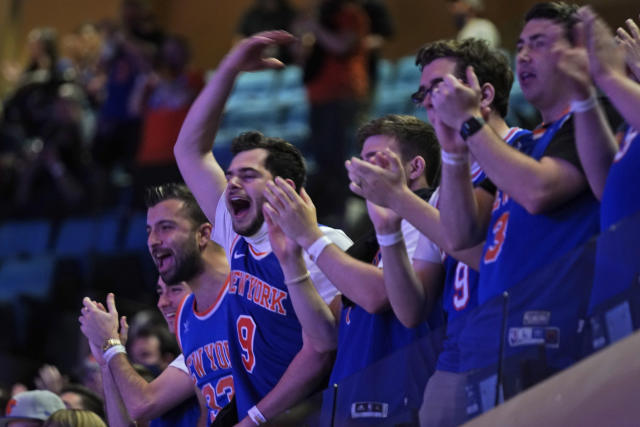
[[381, 29], [31, 408], [266, 15], [43, 157], [74, 418], [337, 83], [466, 15], [76, 396], [127, 53], [163, 97], [153, 347]]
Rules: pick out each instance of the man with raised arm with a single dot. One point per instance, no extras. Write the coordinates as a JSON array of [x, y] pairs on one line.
[[444, 398], [275, 363], [541, 189], [368, 329], [611, 165], [179, 242]]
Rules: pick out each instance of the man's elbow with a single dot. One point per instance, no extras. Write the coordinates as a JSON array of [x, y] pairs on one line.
[[376, 304], [145, 409]]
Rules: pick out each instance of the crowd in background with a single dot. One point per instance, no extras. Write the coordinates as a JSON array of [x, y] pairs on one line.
[[93, 117]]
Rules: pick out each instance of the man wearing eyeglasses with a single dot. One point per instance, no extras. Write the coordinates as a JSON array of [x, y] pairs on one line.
[[444, 400]]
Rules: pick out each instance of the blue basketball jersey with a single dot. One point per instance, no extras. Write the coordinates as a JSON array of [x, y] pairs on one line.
[[203, 339], [621, 196], [263, 326], [460, 292], [518, 242]]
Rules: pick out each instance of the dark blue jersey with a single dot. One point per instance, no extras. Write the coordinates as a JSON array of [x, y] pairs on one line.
[[518, 244], [460, 293], [203, 339]]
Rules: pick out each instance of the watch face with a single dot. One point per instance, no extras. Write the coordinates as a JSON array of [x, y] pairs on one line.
[[471, 126]]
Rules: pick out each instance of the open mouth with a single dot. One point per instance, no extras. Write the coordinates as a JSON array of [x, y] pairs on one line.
[[161, 258], [239, 206], [526, 76]]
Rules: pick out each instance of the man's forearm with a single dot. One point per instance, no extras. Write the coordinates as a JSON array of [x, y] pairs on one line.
[[117, 414], [306, 372], [624, 94]]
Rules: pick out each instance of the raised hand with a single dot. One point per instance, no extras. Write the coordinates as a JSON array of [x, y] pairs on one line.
[[605, 55], [454, 102], [97, 324], [573, 62], [378, 181], [294, 213], [248, 54], [384, 220], [630, 42], [49, 378]]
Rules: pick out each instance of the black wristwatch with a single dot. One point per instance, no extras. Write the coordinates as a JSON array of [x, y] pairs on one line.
[[471, 126]]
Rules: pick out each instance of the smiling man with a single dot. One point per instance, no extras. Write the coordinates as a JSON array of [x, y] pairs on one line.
[[275, 362], [179, 242]]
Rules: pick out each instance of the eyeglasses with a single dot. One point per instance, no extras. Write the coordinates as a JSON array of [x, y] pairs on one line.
[[419, 96]]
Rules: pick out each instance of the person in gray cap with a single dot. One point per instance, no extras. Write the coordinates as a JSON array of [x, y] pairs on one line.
[[31, 408]]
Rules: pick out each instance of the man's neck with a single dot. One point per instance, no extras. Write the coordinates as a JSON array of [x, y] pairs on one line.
[[554, 112], [206, 288]]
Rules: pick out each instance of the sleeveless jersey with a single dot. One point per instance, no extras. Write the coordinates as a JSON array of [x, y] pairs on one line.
[[264, 331], [460, 292], [517, 245], [203, 340]]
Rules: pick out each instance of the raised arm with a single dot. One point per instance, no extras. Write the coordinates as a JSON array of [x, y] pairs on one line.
[[361, 282], [387, 187], [143, 400], [193, 149], [538, 185], [317, 320], [411, 292], [595, 141]]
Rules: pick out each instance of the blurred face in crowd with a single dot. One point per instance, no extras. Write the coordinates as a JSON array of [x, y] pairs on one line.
[[173, 242], [146, 350], [169, 299], [537, 56], [246, 180], [380, 143]]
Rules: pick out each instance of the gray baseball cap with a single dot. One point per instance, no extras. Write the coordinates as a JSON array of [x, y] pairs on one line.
[[32, 405]]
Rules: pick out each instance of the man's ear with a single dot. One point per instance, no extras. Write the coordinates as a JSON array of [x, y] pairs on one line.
[[204, 234], [291, 183], [488, 95], [417, 165]]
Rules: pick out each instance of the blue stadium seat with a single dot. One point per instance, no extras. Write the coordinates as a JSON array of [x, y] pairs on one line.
[[24, 237], [136, 236], [79, 236], [26, 276]]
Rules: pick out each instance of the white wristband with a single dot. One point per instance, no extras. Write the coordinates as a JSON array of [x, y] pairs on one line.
[[389, 239], [317, 247], [454, 158], [298, 279], [584, 105], [112, 351], [256, 416]]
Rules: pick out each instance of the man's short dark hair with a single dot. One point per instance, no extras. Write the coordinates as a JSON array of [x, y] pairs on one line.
[[490, 65], [415, 138], [173, 190], [559, 12], [283, 159]]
